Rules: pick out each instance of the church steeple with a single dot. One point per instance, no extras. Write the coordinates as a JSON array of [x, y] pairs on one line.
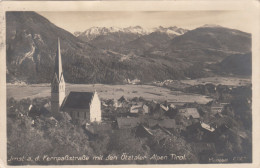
[[58, 83], [58, 62]]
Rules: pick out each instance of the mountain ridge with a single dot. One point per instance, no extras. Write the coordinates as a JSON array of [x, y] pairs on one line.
[[114, 57], [93, 32]]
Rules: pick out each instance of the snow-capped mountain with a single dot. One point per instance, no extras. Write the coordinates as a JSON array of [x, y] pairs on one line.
[[119, 54], [94, 32], [171, 30]]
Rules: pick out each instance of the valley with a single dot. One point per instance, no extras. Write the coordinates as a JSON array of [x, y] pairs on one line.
[[109, 92], [147, 91]]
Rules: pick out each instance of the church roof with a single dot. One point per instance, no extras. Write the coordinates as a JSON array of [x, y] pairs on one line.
[[78, 100]]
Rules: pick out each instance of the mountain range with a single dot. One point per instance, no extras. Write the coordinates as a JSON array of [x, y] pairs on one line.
[[111, 55], [93, 32]]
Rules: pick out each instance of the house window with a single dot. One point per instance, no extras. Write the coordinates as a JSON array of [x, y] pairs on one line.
[[84, 115], [78, 114]]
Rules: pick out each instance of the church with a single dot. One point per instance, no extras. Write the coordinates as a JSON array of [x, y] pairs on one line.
[[81, 106]]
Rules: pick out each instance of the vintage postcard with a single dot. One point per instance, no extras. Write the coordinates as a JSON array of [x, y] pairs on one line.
[[171, 83]]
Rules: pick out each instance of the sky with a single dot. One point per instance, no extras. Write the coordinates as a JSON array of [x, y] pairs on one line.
[[80, 21]]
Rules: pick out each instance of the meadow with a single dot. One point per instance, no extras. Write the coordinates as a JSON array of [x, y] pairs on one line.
[[148, 92]]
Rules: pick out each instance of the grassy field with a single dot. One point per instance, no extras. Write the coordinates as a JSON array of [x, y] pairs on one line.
[[231, 81], [148, 92]]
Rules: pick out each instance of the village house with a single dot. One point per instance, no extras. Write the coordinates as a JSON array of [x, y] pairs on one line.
[[81, 106], [200, 131], [164, 107], [104, 104], [165, 123], [122, 100], [172, 106], [158, 133], [117, 104], [134, 81], [190, 113], [207, 127], [217, 107], [127, 122], [143, 132], [139, 108]]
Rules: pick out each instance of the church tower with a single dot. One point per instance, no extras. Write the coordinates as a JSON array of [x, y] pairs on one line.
[[57, 84]]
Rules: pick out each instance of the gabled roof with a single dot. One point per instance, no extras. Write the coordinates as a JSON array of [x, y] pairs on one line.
[[165, 123], [127, 122], [78, 100], [165, 108], [136, 108], [190, 112], [207, 127], [121, 99]]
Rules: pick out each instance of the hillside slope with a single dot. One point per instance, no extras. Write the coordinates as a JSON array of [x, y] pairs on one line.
[[32, 41]]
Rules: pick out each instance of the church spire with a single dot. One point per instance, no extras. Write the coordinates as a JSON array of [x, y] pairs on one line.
[[58, 62], [58, 83]]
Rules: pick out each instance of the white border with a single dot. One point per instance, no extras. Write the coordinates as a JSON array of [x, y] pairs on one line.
[[251, 6]]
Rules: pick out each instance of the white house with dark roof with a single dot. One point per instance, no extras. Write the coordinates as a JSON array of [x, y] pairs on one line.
[[81, 106]]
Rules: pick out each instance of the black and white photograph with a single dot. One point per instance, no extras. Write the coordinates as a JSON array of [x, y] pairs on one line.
[[128, 87]]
